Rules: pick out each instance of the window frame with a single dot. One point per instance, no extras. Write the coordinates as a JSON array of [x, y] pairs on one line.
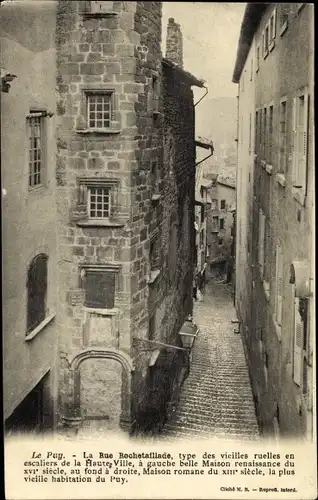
[[83, 199], [114, 127], [283, 101], [90, 95], [261, 242], [299, 175], [272, 29], [270, 140], [223, 208], [99, 268], [41, 115], [30, 328], [283, 16], [257, 58], [279, 284]]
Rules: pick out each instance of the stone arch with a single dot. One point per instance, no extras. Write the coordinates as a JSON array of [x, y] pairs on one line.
[[126, 417]]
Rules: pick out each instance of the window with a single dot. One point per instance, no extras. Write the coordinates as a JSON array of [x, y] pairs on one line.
[[272, 27], [250, 135], [266, 41], [261, 138], [36, 153], [215, 224], [270, 134], [99, 286], [257, 58], [98, 202], [97, 199], [154, 253], [265, 138], [261, 242], [299, 144], [220, 241], [36, 291], [99, 110], [283, 17], [298, 341], [202, 238], [221, 223], [154, 95], [214, 205], [256, 146], [283, 136], [222, 204], [279, 285]]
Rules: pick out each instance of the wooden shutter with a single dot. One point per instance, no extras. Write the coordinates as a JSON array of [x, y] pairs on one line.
[[273, 34], [294, 144], [279, 284], [302, 143], [298, 344], [261, 236]]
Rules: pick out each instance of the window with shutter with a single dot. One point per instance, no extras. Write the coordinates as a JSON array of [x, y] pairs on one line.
[[261, 240], [298, 344], [279, 284], [36, 291], [299, 145]]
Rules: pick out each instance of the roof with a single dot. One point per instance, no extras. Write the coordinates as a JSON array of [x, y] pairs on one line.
[[206, 182], [227, 183], [184, 75], [251, 19], [204, 143]]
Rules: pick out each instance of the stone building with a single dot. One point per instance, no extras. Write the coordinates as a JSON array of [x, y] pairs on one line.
[[220, 221], [29, 236], [275, 212], [125, 206]]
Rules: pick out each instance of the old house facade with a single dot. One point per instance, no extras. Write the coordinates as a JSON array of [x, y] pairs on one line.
[[220, 221], [277, 309], [125, 198], [29, 244]]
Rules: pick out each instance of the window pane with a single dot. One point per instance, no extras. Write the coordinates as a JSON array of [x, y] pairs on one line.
[[35, 156]]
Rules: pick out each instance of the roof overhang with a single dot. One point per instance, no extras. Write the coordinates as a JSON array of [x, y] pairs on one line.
[[251, 19], [185, 76]]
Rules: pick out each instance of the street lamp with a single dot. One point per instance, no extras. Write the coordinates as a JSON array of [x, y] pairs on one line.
[[188, 334]]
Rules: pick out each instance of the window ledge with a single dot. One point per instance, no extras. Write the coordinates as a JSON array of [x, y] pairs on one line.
[[257, 70], [272, 45], [40, 327], [37, 189], [266, 289], [153, 276], [155, 197], [99, 131], [283, 28], [101, 311], [269, 168], [299, 195], [280, 178], [278, 329], [99, 14], [100, 223]]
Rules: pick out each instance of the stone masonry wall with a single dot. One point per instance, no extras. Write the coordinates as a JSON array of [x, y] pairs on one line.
[[101, 52]]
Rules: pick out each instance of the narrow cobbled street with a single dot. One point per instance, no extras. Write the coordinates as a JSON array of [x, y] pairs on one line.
[[216, 399]]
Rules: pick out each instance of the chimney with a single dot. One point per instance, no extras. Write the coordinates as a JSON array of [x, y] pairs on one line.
[[174, 44]]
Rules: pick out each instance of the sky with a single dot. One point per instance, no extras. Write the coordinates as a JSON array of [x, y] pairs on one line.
[[210, 37]]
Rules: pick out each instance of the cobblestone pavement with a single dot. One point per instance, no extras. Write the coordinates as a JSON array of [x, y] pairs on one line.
[[216, 399]]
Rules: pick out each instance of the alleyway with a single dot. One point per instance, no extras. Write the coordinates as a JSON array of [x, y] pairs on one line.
[[216, 398]]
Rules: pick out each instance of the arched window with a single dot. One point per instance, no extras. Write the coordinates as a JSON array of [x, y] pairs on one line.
[[36, 291]]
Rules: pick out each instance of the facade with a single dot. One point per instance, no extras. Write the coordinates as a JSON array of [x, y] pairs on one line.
[[29, 244], [125, 197], [98, 210], [220, 224], [202, 204], [275, 264]]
